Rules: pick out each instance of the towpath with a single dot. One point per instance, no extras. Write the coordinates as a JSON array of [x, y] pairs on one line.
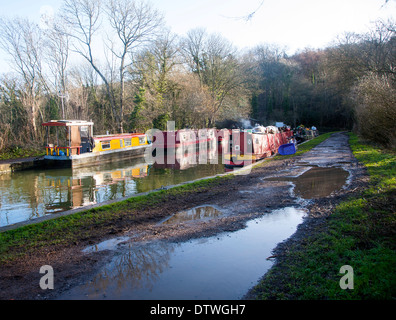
[[267, 187], [21, 163]]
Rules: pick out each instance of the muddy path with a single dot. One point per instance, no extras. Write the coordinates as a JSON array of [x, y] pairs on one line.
[[274, 185]]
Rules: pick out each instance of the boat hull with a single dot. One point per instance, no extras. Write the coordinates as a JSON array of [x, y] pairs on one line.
[[251, 147], [94, 158], [183, 138]]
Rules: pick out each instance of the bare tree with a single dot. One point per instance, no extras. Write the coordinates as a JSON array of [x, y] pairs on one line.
[[22, 40], [214, 59], [133, 23], [82, 18], [193, 48], [57, 51], [375, 111]]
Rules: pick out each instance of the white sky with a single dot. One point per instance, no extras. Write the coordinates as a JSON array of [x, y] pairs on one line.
[[296, 24]]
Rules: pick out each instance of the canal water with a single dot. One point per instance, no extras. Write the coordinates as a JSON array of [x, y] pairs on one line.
[[27, 195]]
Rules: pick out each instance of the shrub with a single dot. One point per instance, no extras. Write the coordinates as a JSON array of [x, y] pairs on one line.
[[375, 98]]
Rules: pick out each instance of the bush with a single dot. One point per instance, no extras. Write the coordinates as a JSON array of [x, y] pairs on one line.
[[375, 99]]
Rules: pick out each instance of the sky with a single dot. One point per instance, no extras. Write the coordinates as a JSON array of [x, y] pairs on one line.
[[293, 24]]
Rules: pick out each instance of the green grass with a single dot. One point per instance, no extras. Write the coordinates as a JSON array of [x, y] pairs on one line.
[[16, 152], [361, 233]]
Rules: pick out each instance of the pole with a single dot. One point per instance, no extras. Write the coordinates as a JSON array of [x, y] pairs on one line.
[[62, 96]]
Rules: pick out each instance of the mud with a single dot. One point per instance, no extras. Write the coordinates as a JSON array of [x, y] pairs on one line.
[[245, 197]]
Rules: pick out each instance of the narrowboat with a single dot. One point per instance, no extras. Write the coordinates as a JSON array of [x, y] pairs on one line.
[[71, 143], [246, 147], [188, 156], [183, 138]]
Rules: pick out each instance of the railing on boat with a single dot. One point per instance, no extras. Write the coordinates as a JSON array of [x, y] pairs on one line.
[[55, 150]]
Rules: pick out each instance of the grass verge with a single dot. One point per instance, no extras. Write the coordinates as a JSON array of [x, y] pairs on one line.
[[360, 233], [16, 152]]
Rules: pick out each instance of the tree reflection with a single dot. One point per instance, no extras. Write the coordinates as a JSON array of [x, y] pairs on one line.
[[139, 266]]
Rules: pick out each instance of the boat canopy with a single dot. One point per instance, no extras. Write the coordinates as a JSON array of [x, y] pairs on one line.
[[67, 123], [71, 137]]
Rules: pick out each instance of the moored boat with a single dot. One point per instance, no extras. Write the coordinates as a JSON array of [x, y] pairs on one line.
[[247, 147], [182, 137], [74, 145]]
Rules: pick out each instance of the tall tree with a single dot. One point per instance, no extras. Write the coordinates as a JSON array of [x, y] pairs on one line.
[[57, 51], [132, 22], [22, 40], [153, 69], [214, 59]]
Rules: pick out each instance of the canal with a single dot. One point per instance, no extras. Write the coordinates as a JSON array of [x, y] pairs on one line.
[[27, 195]]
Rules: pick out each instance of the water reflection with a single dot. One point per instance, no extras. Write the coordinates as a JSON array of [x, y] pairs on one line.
[[197, 213], [317, 182], [31, 194], [320, 182], [139, 267], [221, 267]]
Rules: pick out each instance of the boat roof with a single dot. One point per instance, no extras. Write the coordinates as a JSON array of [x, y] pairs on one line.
[[67, 123], [117, 136]]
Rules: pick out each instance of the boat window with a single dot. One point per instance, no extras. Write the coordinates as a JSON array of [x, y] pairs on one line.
[[142, 140], [105, 145], [128, 142], [84, 131], [121, 145]]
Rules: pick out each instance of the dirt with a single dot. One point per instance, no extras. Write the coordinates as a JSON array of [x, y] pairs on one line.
[[242, 198]]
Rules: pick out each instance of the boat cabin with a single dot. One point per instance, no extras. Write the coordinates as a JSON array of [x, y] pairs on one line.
[[68, 137]]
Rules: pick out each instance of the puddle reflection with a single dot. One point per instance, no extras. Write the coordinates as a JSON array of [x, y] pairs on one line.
[[317, 182], [106, 245], [197, 213], [221, 267], [320, 182]]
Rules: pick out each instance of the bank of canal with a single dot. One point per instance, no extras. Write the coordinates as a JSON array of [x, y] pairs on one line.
[[244, 201]]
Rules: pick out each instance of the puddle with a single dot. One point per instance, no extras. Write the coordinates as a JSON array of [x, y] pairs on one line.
[[106, 245], [225, 266], [197, 213], [320, 182], [317, 182], [306, 164]]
